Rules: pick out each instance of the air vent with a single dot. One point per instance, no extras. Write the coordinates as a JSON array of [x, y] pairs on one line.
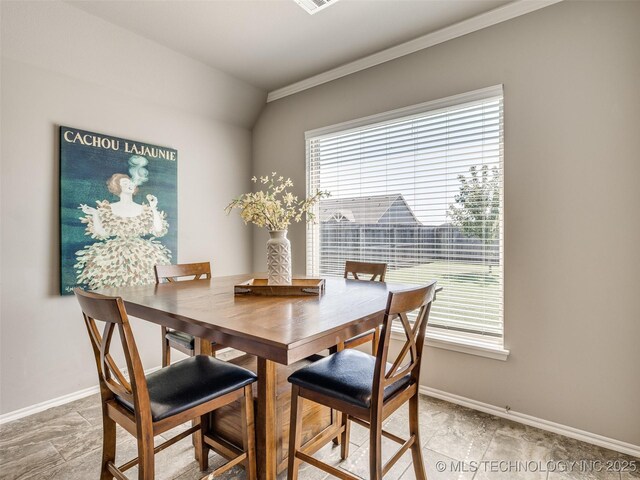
[[313, 6]]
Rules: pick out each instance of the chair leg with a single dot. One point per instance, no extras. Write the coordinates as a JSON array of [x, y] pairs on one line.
[[108, 447], [203, 456], [166, 350], [344, 447], [336, 419], [295, 433], [414, 430], [336, 416], [146, 464], [249, 433], [375, 449]]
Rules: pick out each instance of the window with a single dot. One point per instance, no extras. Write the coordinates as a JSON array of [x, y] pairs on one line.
[[421, 189]]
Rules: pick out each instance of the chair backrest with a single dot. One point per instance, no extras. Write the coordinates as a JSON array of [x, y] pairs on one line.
[[172, 273], [111, 312], [355, 269], [399, 305]]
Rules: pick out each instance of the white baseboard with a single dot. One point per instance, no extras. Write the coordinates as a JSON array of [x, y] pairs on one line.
[[54, 402], [588, 437]]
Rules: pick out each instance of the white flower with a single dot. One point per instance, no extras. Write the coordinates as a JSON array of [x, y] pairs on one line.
[[276, 207]]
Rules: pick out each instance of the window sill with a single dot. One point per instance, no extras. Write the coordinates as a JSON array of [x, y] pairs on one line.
[[458, 344]]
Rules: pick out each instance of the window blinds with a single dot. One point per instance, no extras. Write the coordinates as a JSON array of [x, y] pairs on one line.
[[421, 190]]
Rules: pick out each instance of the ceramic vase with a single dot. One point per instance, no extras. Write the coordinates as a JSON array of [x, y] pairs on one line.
[[279, 258]]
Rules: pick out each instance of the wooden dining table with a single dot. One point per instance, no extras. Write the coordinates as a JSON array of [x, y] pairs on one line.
[[275, 329]]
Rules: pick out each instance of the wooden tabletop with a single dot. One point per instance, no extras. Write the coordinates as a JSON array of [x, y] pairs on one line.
[[281, 329]]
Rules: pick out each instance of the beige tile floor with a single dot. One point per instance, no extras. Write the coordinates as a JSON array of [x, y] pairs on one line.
[[64, 443]]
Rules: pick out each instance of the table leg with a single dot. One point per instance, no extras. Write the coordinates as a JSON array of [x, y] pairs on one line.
[[266, 420], [200, 347]]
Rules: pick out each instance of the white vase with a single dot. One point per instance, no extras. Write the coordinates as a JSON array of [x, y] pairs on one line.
[[279, 258]]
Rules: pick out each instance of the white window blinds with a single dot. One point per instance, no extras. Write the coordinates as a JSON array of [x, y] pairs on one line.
[[421, 190]]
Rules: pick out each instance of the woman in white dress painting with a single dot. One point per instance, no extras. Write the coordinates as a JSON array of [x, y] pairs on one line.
[[126, 248]]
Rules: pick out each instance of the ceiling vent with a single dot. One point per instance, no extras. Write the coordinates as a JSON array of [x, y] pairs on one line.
[[314, 6]]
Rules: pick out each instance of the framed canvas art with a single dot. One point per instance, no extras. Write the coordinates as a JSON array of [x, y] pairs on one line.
[[118, 210]]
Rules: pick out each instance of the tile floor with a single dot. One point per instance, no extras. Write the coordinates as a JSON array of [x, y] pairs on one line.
[[64, 443]]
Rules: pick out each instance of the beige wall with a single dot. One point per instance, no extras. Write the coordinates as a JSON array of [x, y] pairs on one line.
[[63, 66], [572, 227]]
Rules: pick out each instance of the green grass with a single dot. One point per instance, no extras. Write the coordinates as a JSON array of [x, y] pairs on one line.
[[472, 294]]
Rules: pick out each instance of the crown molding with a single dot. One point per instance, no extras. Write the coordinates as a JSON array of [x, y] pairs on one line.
[[484, 20]]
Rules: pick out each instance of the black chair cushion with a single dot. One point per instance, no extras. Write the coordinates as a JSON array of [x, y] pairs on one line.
[[191, 382], [346, 376], [183, 339]]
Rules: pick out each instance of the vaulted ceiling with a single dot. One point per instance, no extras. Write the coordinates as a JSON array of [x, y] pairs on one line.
[[273, 43]]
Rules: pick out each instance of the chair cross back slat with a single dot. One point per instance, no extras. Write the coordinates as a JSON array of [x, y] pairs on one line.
[[173, 273], [407, 362], [356, 269], [113, 376], [106, 365], [112, 313], [399, 369]]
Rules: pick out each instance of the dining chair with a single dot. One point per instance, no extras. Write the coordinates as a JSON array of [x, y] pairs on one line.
[[147, 406], [366, 390], [183, 342], [376, 273]]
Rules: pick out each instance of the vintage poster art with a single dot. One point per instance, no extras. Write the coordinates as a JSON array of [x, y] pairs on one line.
[[118, 210]]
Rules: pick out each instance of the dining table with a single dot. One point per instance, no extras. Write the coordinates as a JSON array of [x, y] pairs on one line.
[[276, 330]]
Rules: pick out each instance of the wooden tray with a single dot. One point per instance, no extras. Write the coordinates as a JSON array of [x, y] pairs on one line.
[[299, 286]]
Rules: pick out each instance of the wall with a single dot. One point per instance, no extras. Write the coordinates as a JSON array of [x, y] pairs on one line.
[[570, 74], [61, 66]]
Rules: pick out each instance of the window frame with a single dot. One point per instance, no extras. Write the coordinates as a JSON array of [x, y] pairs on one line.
[[470, 343]]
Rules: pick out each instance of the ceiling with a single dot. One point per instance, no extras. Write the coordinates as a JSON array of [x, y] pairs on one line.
[[273, 43]]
